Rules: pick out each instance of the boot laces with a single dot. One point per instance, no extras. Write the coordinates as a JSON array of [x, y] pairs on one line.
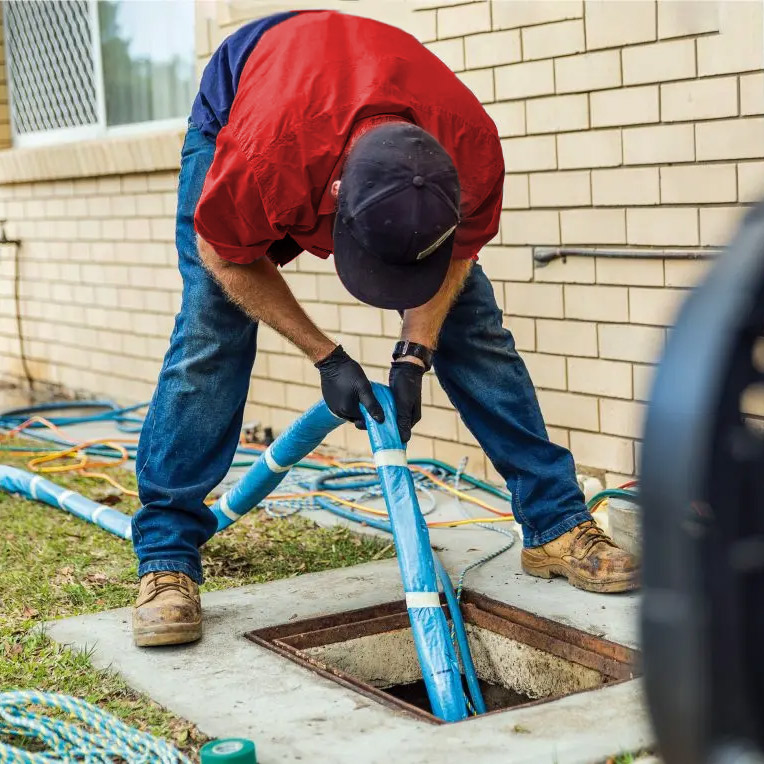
[[592, 534], [167, 581]]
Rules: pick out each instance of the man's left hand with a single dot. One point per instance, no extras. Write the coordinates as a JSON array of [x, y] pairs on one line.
[[406, 385]]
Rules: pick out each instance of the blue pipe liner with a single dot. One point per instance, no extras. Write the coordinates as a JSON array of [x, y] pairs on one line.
[[296, 442], [437, 657], [470, 673], [460, 631], [36, 487]]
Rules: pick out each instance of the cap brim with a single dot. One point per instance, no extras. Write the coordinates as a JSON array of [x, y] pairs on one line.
[[387, 285]]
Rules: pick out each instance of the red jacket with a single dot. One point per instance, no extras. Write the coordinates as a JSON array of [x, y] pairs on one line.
[[304, 91]]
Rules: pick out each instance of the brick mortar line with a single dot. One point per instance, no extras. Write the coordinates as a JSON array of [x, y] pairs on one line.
[[614, 168], [637, 44], [660, 121], [616, 206], [74, 367], [636, 125], [566, 57], [77, 345], [88, 217], [561, 57], [103, 264], [78, 325], [89, 304], [90, 194], [79, 193], [100, 240]]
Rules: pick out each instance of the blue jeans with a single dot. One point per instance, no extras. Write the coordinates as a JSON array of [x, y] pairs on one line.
[[192, 427]]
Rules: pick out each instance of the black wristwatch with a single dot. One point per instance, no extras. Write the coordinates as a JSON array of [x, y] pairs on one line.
[[423, 353]]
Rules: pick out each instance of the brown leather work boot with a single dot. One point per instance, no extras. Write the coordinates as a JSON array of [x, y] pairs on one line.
[[168, 610], [587, 557]]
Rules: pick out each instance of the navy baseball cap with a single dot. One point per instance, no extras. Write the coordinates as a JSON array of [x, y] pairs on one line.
[[397, 212]]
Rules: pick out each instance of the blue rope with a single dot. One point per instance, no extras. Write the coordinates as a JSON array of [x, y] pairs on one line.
[[94, 737]]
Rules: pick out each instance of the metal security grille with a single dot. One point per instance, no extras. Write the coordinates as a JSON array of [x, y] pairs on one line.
[[51, 66]]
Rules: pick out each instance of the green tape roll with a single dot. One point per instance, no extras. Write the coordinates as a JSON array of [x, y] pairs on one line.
[[231, 750]]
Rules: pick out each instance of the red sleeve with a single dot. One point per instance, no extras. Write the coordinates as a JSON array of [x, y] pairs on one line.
[[481, 224], [230, 214]]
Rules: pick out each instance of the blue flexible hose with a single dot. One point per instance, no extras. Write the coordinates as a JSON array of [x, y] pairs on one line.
[[295, 443], [14, 417], [37, 487], [113, 413], [612, 493]]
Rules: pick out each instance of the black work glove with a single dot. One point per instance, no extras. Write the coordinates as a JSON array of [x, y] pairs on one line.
[[406, 385], [344, 385]]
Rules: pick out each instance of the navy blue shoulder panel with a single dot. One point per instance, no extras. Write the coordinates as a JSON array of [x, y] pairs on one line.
[[220, 79]]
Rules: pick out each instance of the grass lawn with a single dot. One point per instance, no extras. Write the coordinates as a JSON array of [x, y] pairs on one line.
[[54, 565]]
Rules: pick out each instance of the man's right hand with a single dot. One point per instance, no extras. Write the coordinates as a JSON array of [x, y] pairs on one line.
[[344, 385]]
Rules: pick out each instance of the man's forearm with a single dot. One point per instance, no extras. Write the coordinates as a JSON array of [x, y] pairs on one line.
[[263, 294], [423, 324]]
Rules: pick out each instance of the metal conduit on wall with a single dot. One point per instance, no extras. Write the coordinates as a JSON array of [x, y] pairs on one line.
[[544, 255]]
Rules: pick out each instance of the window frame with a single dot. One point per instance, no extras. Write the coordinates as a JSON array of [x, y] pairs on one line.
[[98, 129]]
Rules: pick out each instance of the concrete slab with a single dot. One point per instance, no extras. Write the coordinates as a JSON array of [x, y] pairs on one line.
[[229, 686]]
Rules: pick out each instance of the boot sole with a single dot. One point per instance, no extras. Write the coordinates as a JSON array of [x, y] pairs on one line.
[[167, 634], [555, 570]]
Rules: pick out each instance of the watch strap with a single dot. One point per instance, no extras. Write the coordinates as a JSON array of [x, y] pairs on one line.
[[422, 352]]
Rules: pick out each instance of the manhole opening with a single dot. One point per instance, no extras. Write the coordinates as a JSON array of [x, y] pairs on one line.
[[520, 658]]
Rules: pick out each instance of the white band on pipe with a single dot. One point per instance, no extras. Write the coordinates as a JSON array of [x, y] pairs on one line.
[[422, 599], [33, 486], [390, 457], [226, 510], [129, 532], [94, 517], [273, 465], [63, 497]]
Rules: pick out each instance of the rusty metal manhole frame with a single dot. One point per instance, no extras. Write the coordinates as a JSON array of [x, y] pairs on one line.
[[615, 662]]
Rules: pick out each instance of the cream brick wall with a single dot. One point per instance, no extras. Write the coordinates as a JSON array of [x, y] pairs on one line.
[[629, 124], [98, 281]]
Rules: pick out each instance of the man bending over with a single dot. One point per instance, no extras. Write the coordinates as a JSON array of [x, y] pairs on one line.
[[327, 134]]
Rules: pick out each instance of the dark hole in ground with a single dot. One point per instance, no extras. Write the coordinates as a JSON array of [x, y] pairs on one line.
[[496, 696], [301, 641]]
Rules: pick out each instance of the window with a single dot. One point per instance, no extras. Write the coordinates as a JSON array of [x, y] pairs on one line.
[[82, 68], [147, 59]]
